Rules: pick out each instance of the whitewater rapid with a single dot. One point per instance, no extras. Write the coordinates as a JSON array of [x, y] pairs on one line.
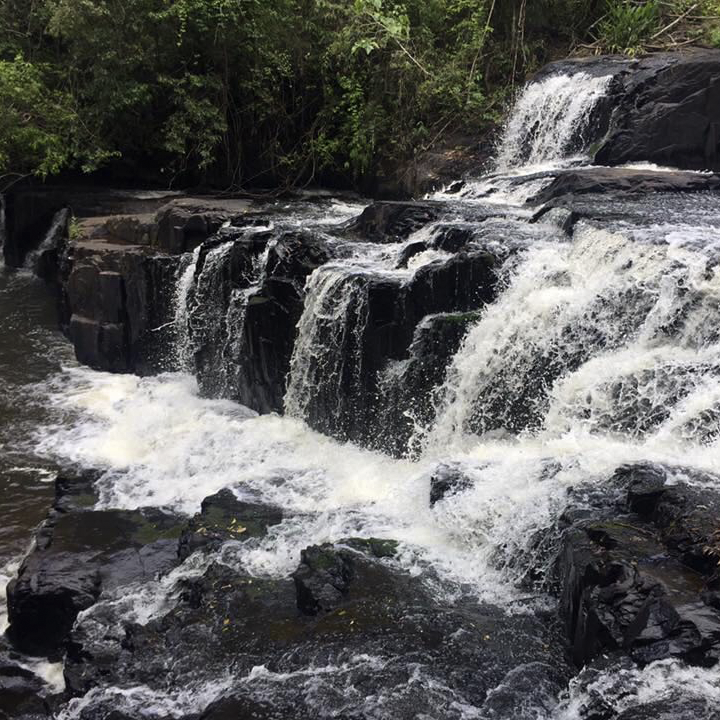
[[620, 318]]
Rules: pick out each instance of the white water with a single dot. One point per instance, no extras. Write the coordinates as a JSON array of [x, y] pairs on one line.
[[629, 318], [550, 121], [183, 349]]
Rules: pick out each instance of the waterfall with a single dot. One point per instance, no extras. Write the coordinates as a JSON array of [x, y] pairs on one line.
[[458, 378], [326, 364], [50, 241], [186, 276], [551, 121], [605, 334], [213, 288]]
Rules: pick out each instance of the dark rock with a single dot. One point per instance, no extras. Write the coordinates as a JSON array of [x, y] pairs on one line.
[[450, 157], [447, 480], [638, 581], [624, 182], [366, 629], [409, 252], [453, 238], [295, 256], [408, 387], [254, 368], [394, 221], [322, 579], [114, 297], [79, 553], [238, 707], [21, 691], [184, 224], [223, 517], [664, 108], [667, 112], [359, 387], [561, 217]]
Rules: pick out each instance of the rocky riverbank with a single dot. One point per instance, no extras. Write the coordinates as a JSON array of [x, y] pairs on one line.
[[517, 514]]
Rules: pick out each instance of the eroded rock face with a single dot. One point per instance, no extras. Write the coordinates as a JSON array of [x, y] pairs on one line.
[[667, 112], [115, 301], [642, 577], [664, 108]]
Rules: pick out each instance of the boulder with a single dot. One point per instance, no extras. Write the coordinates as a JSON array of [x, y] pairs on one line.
[[640, 577], [667, 111], [448, 479], [185, 223], [78, 553], [624, 182], [663, 108], [393, 221], [223, 517]]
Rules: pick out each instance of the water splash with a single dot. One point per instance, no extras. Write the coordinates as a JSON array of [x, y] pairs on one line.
[[551, 121], [50, 241]]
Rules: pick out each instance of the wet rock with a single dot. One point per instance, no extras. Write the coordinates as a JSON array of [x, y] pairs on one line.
[[185, 223], [447, 479], [453, 238], [409, 252], [114, 298], [561, 217], [21, 692], [235, 707], [638, 581], [322, 579], [389, 221], [270, 321], [78, 553], [409, 386], [376, 357], [667, 111], [348, 626], [664, 108], [624, 182], [223, 517]]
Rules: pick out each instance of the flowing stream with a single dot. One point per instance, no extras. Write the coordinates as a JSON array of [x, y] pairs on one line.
[[600, 349]]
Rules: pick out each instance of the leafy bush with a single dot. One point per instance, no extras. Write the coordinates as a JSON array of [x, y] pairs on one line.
[[628, 25]]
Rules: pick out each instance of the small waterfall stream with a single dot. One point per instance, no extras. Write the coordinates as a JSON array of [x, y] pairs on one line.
[[585, 350], [551, 121]]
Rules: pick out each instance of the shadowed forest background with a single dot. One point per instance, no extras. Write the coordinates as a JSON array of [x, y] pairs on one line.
[[255, 93]]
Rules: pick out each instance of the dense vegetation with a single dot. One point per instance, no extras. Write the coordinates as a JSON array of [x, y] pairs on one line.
[[249, 92]]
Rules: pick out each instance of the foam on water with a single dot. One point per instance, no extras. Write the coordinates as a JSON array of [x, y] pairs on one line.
[[670, 688], [600, 350]]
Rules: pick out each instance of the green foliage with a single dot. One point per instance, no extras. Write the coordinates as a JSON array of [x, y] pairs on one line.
[[40, 131], [248, 92], [628, 25]]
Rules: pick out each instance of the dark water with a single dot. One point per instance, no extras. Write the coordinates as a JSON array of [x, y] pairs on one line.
[[32, 350]]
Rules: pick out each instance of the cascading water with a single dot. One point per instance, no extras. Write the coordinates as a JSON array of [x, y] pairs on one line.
[[49, 242], [588, 349], [551, 121]]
